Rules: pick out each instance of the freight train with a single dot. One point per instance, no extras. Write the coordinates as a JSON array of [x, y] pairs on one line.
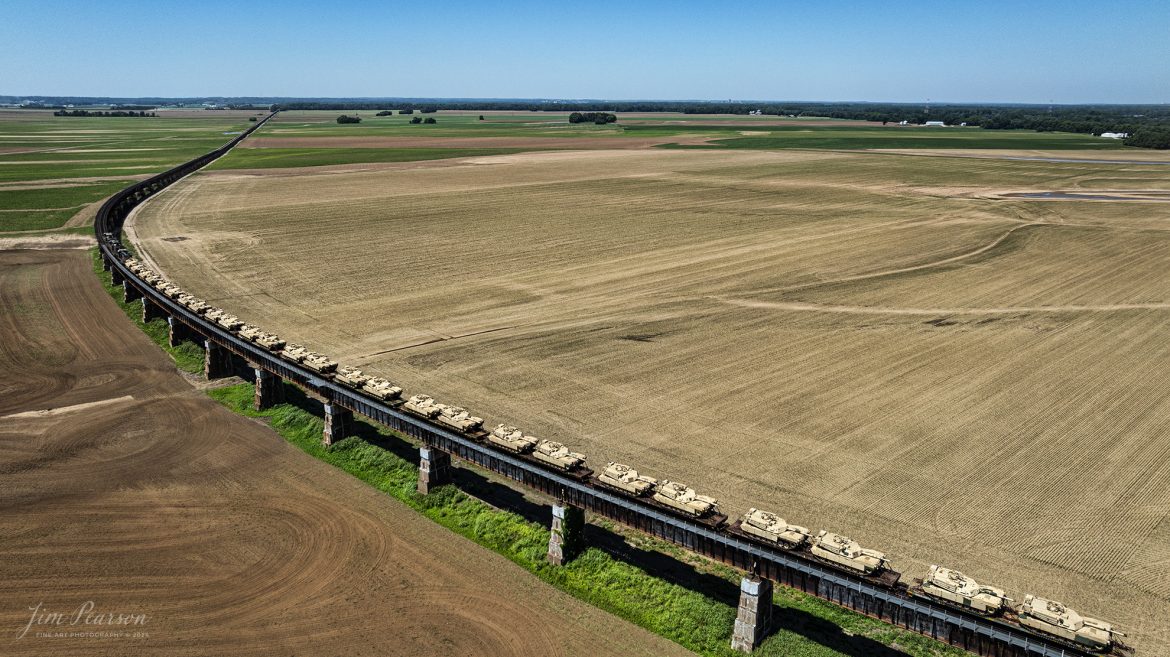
[[949, 587]]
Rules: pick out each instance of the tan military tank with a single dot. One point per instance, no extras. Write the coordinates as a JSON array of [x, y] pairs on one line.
[[154, 279], [953, 586], [558, 455], [351, 376], [1058, 620], [294, 352], [266, 340], [319, 363], [459, 418], [623, 477], [132, 264], [213, 313], [423, 405], [172, 291], [512, 439], [382, 389], [773, 528], [228, 321], [846, 552], [194, 304], [684, 498]]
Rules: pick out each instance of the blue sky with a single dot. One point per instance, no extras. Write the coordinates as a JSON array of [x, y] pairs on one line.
[[986, 51]]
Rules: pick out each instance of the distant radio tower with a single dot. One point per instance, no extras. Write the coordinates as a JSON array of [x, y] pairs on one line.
[[926, 110]]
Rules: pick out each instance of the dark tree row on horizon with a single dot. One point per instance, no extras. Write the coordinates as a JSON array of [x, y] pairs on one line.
[[110, 113]]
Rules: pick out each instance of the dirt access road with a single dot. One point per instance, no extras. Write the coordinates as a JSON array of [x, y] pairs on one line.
[[125, 486]]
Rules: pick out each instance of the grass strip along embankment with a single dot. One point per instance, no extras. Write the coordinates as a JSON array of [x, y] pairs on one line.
[[187, 356], [699, 616]]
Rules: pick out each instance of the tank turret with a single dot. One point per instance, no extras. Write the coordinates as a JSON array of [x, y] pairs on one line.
[[351, 376], [623, 477], [382, 389], [319, 363], [846, 552], [558, 455], [684, 498], [1054, 618], [956, 587], [773, 528], [512, 439], [423, 405]]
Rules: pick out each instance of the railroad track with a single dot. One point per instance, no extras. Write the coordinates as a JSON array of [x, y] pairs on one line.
[[889, 602]]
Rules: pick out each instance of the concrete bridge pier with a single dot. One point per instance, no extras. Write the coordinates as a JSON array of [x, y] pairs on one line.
[[106, 264], [116, 277], [269, 389], [129, 292], [568, 533], [754, 618], [179, 332], [434, 469], [338, 421], [151, 310], [217, 361]]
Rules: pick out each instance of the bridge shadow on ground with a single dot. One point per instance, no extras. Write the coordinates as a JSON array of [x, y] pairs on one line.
[[535, 508]]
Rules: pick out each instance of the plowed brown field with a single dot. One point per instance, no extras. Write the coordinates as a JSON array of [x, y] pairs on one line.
[[123, 485], [873, 343]]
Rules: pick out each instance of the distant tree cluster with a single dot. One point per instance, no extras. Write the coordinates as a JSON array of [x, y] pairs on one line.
[[430, 119], [385, 113], [406, 111], [600, 118], [115, 113], [1158, 138], [349, 119]]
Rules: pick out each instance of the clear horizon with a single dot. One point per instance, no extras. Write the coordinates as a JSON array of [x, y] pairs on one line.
[[1073, 52]]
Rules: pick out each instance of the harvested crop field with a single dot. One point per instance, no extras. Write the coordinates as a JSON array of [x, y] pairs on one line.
[[125, 486], [874, 343]]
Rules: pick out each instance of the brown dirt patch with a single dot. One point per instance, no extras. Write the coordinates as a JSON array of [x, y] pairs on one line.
[[229, 540]]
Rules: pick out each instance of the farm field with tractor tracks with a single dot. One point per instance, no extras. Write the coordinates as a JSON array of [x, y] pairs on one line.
[[884, 344]]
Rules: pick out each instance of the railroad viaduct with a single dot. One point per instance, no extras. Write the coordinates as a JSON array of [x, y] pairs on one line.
[[225, 354]]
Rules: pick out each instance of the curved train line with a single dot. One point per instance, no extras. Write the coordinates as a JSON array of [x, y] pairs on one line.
[[880, 596]]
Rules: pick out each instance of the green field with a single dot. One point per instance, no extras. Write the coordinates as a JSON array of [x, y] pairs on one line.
[[48, 164], [263, 158], [318, 140]]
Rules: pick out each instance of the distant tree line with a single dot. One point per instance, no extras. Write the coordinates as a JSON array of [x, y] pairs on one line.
[[81, 112], [600, 118], [1150, 138], [349, 119]]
